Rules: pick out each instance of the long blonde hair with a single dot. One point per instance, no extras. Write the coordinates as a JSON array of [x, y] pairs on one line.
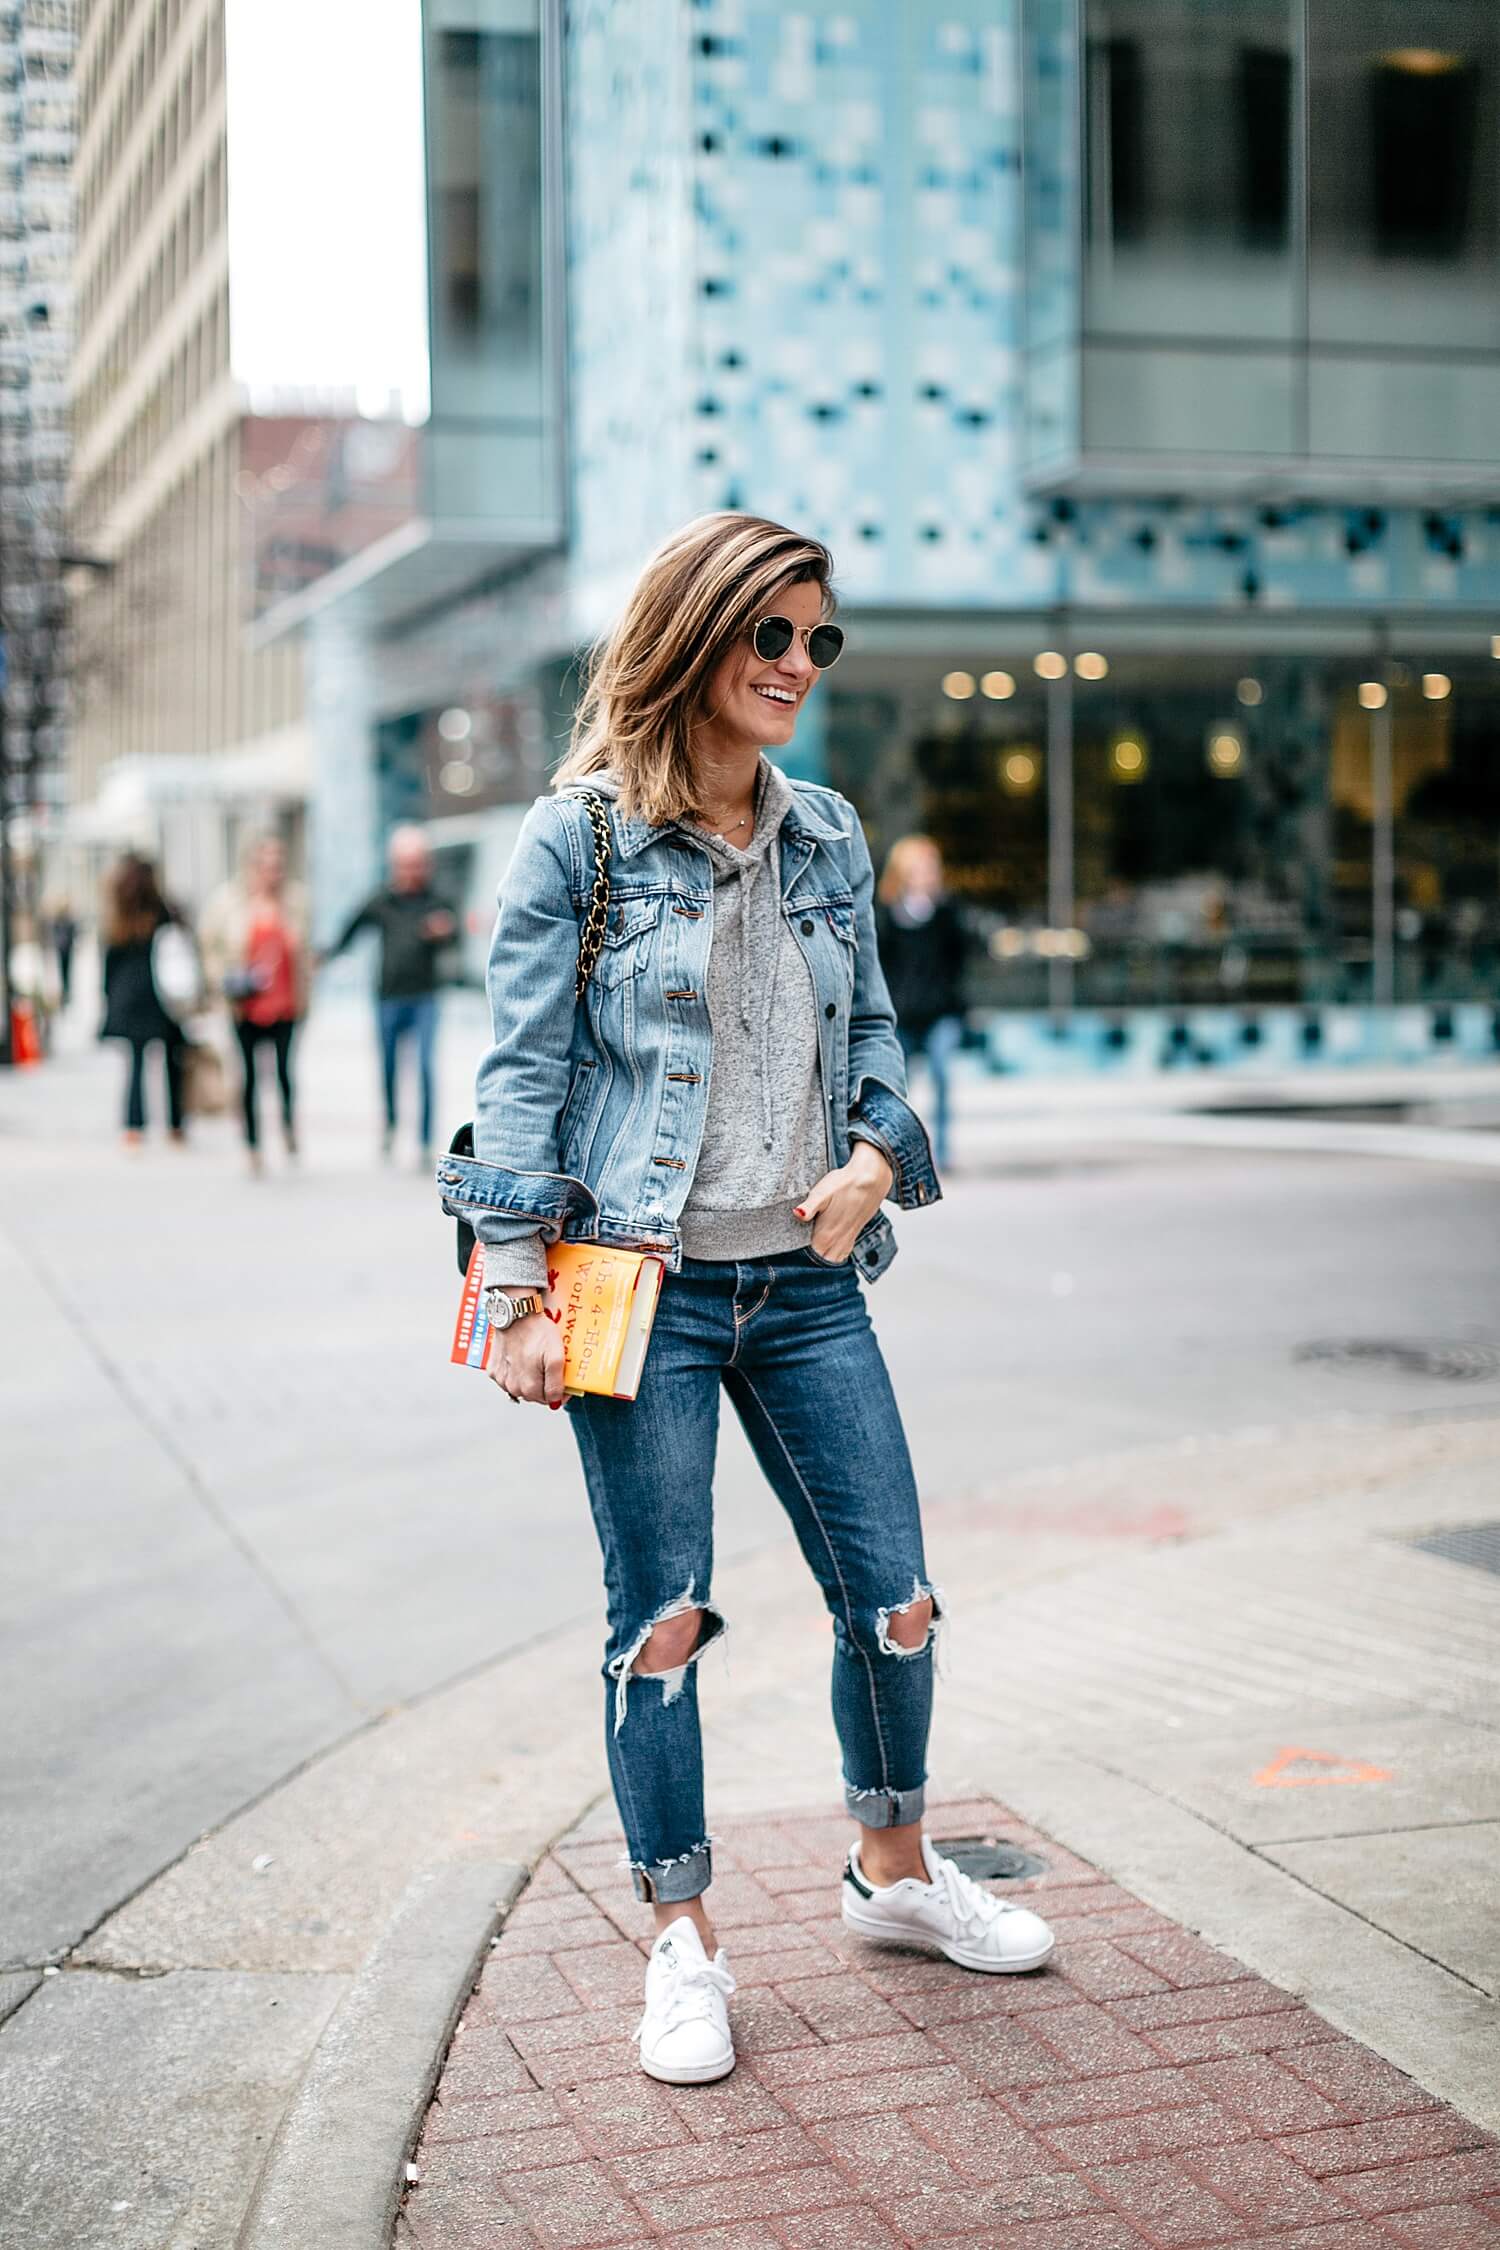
[[648, 680]]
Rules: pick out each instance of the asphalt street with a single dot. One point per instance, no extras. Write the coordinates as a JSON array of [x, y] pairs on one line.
[[250, 1507]]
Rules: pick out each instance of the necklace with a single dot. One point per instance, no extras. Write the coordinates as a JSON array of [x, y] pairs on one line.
[[724, 834]]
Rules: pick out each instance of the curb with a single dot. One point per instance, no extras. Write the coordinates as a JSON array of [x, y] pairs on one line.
[[334, 2175]]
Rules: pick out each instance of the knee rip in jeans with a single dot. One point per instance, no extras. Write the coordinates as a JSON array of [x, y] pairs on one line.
[[924, 1629], [674, 1678]]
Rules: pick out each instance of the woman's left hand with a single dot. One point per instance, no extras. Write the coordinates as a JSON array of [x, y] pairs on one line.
[[845, 1200]]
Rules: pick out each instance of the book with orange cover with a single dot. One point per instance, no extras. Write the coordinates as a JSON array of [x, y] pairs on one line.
[[603, 1300]]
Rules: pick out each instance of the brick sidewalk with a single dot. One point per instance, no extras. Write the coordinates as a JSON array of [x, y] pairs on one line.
[[1142, 2089]]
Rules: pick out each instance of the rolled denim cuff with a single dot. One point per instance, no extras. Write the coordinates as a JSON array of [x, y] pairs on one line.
[[885, 1808], [664, 1881], [887, 1119]]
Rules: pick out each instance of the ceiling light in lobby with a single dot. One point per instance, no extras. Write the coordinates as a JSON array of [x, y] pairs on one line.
[[1435, 685], [1127, 757], [958, 685], [1020, 771], [455, 725], [1373, 695], [998, 686], [1090, 665], [1226, 751], [1051, 664], [1421, 62], [1250, 692]]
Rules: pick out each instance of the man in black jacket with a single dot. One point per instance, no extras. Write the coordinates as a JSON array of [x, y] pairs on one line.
[[414, 926]]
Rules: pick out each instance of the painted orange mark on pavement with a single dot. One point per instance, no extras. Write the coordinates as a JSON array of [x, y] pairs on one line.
[[1278, 1774]]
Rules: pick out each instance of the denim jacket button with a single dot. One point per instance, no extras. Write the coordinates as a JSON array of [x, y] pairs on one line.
[[831, 1009], [807, 929]]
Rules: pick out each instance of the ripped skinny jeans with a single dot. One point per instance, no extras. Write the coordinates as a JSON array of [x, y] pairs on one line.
[[789, 1338]]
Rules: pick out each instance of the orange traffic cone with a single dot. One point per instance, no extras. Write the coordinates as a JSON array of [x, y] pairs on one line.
[[25, 1042]]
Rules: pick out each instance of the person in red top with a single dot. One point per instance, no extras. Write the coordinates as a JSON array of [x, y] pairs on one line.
[[255, 947]]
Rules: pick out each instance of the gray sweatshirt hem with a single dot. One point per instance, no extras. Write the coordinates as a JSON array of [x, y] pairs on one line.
[[743, 1234], [521, 1264]]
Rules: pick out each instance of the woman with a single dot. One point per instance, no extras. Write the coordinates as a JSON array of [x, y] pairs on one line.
[[727, 1092], [255, 945], [134, 1008], [923, 947]]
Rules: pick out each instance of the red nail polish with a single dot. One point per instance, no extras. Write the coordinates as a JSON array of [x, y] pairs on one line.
[[798, 1212]]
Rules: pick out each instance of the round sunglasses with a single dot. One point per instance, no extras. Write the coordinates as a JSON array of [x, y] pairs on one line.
[[771, 637]]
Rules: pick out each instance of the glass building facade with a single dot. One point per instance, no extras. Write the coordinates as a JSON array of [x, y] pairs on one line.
[[1264, 236], [1140, 362]]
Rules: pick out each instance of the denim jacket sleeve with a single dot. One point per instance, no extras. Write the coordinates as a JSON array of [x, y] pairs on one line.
[[878, 1109], [511, 1187]]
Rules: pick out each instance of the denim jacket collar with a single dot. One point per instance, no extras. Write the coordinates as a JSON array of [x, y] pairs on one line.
[[632, 834]]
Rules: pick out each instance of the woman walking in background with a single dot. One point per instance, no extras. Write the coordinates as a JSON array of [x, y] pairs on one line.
[[61, 927], [923, 949], [255, 948], [138, 924]]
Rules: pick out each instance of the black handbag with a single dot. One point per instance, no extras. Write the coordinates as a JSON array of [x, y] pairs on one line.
[[590, 944]]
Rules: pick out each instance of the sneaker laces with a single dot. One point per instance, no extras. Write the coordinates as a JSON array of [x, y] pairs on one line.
[[689, 1995], [974, 1909]]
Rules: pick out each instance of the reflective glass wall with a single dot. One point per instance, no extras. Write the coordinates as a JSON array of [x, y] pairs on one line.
[[492, 118], [1404, 228], [1224, 813], [1287, 229]]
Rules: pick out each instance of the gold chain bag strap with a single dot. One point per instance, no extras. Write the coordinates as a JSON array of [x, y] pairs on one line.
[[590, 945], [591, 936]]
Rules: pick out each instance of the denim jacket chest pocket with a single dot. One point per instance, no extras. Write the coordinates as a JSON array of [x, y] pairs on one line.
[[629, 940], [829, 934]]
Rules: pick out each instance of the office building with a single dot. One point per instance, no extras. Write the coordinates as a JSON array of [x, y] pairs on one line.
[[36, 154], [1140, 361], [184, 735]]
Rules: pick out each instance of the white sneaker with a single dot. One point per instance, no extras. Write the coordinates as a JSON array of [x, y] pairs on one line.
[[684, 2033], [948, 1914]]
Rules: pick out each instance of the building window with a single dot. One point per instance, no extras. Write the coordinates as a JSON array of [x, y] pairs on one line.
[[485, 135], [1404, 191], [1188, 180]]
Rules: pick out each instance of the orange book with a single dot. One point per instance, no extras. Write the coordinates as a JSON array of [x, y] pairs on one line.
[[603, 1300]]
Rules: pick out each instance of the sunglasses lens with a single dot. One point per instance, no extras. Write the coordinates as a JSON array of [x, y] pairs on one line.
[[773, 637], [825, 644]]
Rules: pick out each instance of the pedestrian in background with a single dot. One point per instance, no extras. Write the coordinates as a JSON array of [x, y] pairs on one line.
[[149, 963], [414, 925], [255, 954], [60, 924], [923, 950]]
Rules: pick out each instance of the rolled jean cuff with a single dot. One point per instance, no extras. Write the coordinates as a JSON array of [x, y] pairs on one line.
[[663, 1882], [885, 1808]]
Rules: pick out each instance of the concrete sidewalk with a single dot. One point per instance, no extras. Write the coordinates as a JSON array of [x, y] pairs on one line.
[[1249, 1728], [1145, 2089], [269, 1695]]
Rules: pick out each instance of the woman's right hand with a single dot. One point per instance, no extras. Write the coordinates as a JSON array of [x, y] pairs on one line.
[[526, 1360]]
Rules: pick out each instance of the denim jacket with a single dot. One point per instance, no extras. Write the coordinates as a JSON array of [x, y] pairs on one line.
[[589, 1116]]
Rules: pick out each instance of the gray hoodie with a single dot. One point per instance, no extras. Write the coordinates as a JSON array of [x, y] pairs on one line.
[[765, 1137]]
